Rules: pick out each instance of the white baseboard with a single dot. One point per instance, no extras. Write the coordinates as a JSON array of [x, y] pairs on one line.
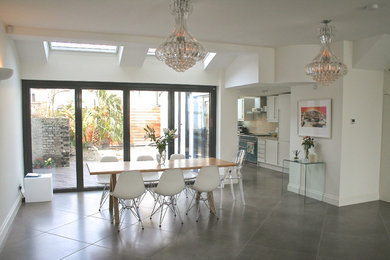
[[331, 199], [4, 228], [270, 166], [310, 193], [344, 201]]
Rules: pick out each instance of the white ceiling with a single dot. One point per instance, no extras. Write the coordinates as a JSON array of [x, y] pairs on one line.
[[245, 22]]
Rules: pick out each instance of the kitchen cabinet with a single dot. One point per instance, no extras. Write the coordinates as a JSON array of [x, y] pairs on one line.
[[240, 109], [272, 109], [284, 117], [271, 152], [260, 150], [244, 109]]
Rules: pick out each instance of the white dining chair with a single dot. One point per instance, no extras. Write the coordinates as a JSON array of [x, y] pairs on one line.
[[171, 183], [129, 187], [104, 179], [206, 182], [231, 174], [150, 178], [189, 176]]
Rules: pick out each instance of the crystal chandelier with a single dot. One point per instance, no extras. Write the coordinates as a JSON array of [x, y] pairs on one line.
[[326, 67], [180, 51]]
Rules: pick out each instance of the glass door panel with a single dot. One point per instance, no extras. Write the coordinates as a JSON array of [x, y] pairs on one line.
[[146, 108], [192, 112], [102, 121], [53, 135]]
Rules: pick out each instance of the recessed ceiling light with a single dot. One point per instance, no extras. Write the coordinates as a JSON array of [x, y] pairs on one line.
[[151, 52], [86, 47]]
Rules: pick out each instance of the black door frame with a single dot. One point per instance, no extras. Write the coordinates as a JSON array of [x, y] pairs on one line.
[[78, 86]]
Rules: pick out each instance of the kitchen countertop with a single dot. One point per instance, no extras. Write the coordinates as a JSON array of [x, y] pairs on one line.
[[262, 136]]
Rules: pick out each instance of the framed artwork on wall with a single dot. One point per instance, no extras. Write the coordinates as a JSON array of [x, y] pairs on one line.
[[315, 118]]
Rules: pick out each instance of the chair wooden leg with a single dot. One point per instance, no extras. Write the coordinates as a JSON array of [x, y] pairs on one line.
[[197, 196], [211, 201]]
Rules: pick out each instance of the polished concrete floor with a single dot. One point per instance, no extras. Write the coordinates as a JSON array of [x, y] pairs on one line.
[[273, 225]]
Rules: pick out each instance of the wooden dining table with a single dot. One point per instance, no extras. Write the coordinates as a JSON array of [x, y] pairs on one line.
[[114, 168]]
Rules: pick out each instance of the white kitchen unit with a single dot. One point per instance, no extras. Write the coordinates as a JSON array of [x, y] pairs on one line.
[[272, 109], [284, 128], [240, 109], [244, 109], [271, 152], [284, 117], [260, 150]]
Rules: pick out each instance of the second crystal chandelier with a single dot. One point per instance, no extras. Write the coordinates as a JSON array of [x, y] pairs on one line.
[[326, 67], [180, 50]]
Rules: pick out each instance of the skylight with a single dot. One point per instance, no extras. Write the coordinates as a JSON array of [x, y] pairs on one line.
[[70, 46], [151, 52], [209, 57]]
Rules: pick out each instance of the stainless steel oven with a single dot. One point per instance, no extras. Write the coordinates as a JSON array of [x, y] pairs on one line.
[[249, 144]]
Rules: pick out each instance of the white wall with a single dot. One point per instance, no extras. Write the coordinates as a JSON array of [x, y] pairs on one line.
[[361, 142], [244, 70], [328, 149], [227, 139], [384, 183], [290, 62], [11, 148]]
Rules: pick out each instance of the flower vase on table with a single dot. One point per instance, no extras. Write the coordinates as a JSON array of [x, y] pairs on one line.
[[306, 148], [307, 142], [161, 142], [161, 157]]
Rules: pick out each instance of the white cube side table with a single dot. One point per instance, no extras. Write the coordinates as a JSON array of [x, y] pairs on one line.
[[38, 189]]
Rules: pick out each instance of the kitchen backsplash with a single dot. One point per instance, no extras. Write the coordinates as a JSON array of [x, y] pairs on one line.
[[260, 125]]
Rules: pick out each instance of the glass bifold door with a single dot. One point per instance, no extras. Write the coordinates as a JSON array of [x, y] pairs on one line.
[[67, 125]]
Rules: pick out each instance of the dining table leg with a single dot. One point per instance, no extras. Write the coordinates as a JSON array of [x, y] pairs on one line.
[[114, 207], [110, 197], [210, 197]]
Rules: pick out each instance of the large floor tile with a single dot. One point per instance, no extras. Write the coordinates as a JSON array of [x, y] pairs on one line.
[[44, 246], [137, 242], [89, 230], [93, 252], [272, 225], [355, 247]]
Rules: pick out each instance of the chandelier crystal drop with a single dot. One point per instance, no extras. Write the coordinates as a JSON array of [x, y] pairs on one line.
[[326, 67], [180, 50]]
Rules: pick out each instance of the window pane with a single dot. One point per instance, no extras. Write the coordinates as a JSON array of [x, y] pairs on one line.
[[192, 111], [52, 135], [146, 108], [102, 120]]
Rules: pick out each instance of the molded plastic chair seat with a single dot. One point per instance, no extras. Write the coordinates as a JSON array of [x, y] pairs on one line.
[[105, 180], [150, 178], [171, 183], [130, 186], [206, 182]]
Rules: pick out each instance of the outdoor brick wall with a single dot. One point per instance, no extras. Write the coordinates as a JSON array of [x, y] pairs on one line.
[[50, 139]]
